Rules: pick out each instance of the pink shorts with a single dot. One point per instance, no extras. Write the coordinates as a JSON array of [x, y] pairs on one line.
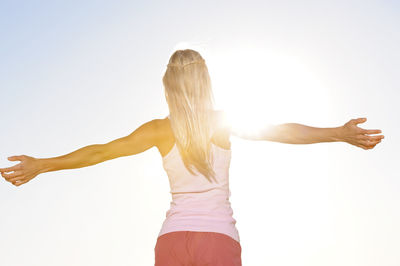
[[184, 248]]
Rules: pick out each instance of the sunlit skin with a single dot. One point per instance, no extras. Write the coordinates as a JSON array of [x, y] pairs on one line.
[[158, 133]]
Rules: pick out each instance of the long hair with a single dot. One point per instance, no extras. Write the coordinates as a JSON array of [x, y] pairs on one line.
[[190, 100]]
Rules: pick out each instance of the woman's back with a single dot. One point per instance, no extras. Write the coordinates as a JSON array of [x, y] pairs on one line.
[[197, 204], [220, 135]]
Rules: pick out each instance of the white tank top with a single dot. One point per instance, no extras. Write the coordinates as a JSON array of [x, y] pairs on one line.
[[197, 204]]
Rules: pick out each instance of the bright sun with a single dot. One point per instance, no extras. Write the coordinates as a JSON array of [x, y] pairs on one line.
[[254, 84]]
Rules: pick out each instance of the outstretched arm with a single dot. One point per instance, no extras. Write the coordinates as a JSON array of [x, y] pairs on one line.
[[142, 139], [294, 133]]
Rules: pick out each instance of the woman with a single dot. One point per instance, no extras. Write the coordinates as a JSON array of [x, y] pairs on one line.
[[194, 142]]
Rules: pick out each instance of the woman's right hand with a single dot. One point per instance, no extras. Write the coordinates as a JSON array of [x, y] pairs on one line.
[[27, 169], [359, 137]]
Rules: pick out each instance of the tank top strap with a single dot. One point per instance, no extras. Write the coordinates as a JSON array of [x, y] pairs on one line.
[[212, 129]]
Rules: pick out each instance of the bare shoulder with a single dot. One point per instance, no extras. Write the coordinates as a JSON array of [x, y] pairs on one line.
[[147, 135], [154, 126], [162, 123], [156, 129], [221, 117], [222, 130], [221, 120], [163, 128]]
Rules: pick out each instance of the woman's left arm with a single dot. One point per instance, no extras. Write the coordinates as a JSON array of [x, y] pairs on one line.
[[142, 139]]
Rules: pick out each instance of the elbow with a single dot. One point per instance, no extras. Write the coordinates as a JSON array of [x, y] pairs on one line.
[[282, 133], [99, 154], [288, 133]]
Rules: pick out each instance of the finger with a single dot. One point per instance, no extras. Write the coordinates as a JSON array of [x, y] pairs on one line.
[[14, 174], [368, 143], [16, 179], [15, 183], [359, 120], [10, 169], [362, 137], [20, 183], [373, 144], [369, 146], [371, 131], [369, 138], [15, 158], [373, 138], [362, 146]]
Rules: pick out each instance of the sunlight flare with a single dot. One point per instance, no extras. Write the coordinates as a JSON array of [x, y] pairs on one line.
[[254, 85]]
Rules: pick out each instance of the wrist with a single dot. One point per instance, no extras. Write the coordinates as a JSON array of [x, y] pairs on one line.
[[338, 134], [43, 165]]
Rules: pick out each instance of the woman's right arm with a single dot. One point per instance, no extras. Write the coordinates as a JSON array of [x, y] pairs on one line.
[[294, 133]]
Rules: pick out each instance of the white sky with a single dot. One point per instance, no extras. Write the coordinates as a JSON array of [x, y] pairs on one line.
[[74, 74]]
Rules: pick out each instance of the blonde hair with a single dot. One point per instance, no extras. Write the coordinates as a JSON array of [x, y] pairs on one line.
[[191, 102]]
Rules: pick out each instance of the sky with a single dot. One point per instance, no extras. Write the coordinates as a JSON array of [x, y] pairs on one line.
[[76, 73]]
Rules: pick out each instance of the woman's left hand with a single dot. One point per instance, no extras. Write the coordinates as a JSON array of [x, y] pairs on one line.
[[23, 172]]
